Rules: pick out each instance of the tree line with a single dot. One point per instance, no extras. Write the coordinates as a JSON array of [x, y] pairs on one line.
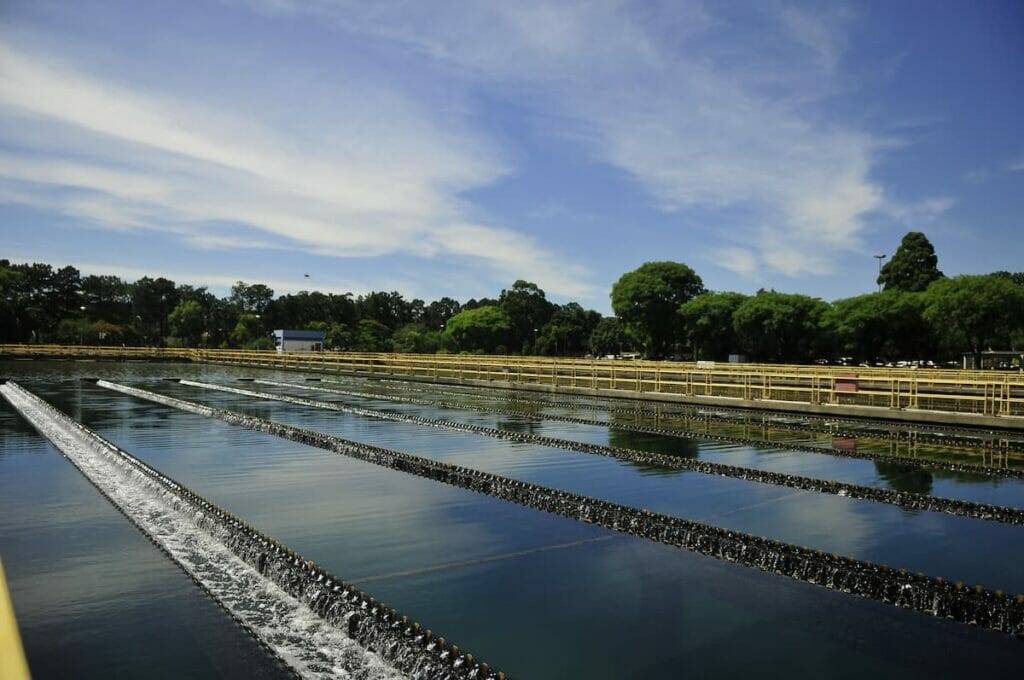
[[661, 309]]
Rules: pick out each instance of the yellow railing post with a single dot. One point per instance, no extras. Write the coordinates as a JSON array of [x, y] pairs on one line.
[[13, 665]]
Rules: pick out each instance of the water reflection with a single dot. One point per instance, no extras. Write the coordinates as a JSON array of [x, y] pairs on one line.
[[906, 478]]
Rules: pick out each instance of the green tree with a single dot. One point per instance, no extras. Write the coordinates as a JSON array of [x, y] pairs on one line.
[[437, 313], [647, 300], [188, 322], [390, 309], [248, 331], [974, 313], [1016, 277], [371, 336], [107, 298], [10, 302], [889, 324], [778, 327], [608, 337], [707, 322], [528, 309], [483, 329], [416, 338], [568, 331], [914, 265], [252, 298], [152, 301]]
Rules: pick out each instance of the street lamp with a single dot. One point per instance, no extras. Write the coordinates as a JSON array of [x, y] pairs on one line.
[[81, 331], [880, 258]]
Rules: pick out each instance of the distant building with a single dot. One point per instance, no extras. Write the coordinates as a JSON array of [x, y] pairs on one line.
[[299, 341], [996, 360]]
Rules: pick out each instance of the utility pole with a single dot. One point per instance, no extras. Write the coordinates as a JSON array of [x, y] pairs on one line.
[[880, 258]]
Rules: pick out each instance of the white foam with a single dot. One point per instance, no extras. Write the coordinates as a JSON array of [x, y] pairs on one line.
[[308, 644]]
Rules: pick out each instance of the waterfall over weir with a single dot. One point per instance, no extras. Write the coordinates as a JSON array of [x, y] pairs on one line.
[[314, 623], [935, 596]]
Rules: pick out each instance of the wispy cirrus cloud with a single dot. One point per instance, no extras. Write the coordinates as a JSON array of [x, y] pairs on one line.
[[380, 175], [705, 109]]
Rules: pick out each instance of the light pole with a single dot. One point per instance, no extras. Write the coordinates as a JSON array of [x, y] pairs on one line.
[[880, 258], [81, 329]]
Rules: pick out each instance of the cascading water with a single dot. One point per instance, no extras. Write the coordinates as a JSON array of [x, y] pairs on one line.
[[906, 500], [926, 594], [315, 623]]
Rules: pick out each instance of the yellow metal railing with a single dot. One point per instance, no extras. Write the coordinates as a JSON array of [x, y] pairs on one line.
[[990, 393], [12, 656]]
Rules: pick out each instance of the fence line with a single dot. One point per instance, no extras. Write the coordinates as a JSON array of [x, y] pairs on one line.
[[984, 393]]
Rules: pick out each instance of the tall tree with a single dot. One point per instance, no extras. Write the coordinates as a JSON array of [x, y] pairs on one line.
[[647, 300], [974, 313], [568, 331], [390, 309], [779, 327], [707, 322], [10, 321], [152, 301], [528, 309], [252, 298], [188, 322], [107, 298], [437, 313], [608, 337], [914, 265], [889, 324], [484, 329]]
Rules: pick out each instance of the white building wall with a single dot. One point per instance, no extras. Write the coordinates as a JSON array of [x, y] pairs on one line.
[[300, 346]]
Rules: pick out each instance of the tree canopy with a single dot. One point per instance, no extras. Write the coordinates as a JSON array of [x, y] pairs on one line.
[[913, 267], [888, 325], [609, 337], [661, 308], [484, 329], [647, 300], [975, 312], [527, 309], [707, 323], [780, 327]]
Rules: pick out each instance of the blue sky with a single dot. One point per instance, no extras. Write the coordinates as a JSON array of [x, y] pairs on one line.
[[443, 148]]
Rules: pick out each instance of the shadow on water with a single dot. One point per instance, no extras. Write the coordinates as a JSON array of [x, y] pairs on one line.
[[668, 446], [905, 478], [521, 426]]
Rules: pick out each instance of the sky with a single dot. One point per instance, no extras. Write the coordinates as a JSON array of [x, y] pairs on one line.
[[450, 148]]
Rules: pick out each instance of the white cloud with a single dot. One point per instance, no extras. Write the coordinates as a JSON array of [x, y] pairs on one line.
[[200, 278], [704, 111], [740, 261], [379, 173]]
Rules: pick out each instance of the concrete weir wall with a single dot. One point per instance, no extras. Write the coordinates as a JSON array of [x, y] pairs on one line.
[[926, 594], [357, 626]]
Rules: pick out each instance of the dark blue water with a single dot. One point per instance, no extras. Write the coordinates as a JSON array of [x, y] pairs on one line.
[[933, 543], [537, 595], [93, 597]]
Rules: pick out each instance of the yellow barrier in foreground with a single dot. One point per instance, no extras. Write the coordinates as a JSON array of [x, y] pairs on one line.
[[12, 657]]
